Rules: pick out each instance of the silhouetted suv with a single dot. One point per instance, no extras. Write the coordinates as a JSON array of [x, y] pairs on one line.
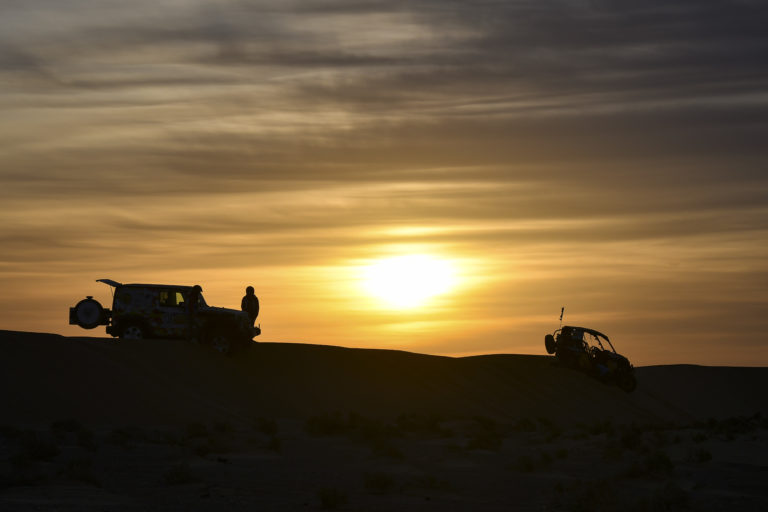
[[160, 311], [585, 349]]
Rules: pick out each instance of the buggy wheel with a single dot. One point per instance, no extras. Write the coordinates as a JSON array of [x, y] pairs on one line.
[[132, 332], [550, 344], [627, 382]]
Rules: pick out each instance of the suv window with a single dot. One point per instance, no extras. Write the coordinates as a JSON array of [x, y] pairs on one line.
[[174, 298], [167, 298]]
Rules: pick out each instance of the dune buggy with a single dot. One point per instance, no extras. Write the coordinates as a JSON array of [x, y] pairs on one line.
[[160, 311], [585, 349]]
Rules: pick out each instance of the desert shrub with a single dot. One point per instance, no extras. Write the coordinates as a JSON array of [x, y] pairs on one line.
[[485, 423], [10, 432], [83, 436], [202, 449], [601, 427], [80, 470], [423, 424], [167, 437], [379, 483], [656, 463], [671, 497], [699, 456], [22, 478], [660, 438], [545, 459], [484, 434], [578, 435], [699, 437], [553, 433], [266, 426], [194, 430], [525, 463], [631, 438], [222, 427], [730, 428], [332, 498], [370, 429], [659, 462], [524, 425], [603, 496], [126, 437], [430, 482], [589, 496], [485, 441], [382, 447], [326, 425], [68, 425], [179, 474], [275, 444], [613, 451], [35, 447]]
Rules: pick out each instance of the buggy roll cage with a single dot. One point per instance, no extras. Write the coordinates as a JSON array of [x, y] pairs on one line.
[[597, 335]]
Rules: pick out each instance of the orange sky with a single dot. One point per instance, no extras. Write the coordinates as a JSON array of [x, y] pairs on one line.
[[609, 161]]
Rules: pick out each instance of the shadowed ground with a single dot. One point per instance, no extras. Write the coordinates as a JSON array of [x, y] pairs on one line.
[[96, 424], [155, 382]]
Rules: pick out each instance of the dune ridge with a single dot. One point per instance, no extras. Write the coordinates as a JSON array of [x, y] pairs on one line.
[[47, 377]]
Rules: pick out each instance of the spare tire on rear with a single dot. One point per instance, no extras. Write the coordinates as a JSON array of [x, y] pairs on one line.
[[88, 314], [550, 344]]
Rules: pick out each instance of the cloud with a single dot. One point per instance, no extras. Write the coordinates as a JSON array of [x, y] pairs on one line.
[[304, 134]]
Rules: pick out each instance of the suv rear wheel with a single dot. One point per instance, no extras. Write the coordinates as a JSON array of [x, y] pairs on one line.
[[132, 332]]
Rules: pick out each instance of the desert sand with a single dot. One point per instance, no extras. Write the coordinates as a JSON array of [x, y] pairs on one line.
[[99, 424]]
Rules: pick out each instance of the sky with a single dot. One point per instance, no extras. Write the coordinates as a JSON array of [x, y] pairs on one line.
[[608, 157]]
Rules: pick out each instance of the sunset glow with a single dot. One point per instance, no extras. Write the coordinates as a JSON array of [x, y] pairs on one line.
[[409, 281], [429, 176]]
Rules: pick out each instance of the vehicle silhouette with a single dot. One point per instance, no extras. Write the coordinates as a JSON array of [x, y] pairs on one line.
[[161, 311], [585, 349]]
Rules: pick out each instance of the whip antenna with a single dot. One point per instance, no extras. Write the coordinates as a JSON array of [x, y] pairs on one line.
[[562, 310]]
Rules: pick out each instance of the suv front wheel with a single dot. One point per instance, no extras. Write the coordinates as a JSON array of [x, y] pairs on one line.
[[220, 340]]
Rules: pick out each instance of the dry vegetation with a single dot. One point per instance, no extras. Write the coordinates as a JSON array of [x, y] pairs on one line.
[[102, 425], [348, 461]]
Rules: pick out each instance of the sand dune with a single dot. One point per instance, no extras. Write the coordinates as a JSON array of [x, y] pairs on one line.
[[162, 425], [157, 382]]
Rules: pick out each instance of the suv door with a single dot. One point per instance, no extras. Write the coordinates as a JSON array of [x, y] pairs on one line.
[[173, 314]]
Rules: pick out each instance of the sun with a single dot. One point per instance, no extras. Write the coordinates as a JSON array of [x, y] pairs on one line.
[[405, 282]]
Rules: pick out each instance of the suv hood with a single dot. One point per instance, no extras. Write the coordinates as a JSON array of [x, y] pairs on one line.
[[229, 311]]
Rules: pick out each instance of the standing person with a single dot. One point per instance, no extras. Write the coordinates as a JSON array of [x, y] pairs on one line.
[[193, 302], [250, 304]]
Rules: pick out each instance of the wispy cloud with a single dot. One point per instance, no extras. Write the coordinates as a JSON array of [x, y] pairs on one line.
[[247, 134]]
